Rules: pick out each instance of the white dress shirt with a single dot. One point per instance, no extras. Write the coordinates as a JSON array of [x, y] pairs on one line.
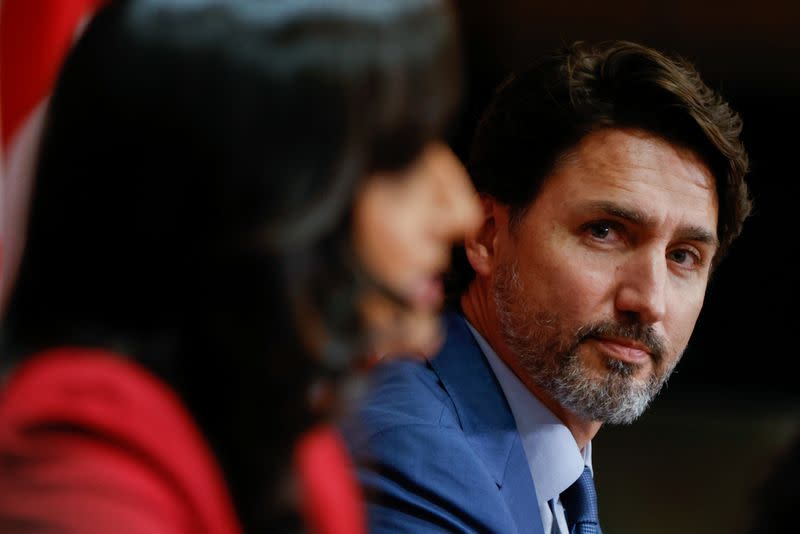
[[553, 456]]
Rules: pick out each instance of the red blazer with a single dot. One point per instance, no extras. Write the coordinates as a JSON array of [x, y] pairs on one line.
[[91, 442]]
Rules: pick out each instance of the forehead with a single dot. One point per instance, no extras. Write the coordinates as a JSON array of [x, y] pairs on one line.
[[639, 171]]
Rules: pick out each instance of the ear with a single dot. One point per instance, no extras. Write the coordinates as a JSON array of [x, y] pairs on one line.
[[481, 246]]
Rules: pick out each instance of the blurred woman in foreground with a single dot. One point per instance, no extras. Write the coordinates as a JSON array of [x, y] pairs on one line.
[[233, 202]]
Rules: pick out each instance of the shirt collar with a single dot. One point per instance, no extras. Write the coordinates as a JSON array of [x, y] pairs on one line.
[[553, 456]]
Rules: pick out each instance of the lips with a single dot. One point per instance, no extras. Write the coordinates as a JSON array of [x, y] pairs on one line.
[[623, 349]]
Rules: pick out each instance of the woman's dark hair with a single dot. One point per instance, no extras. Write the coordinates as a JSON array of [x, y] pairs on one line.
[[543, 111], [192, 196]]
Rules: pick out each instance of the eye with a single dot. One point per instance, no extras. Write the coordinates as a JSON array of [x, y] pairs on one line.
[[599, 230], [603, 231], [604, 235], [684, 257]]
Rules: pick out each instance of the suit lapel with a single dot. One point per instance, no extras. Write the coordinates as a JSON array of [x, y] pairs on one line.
[[487, 420]]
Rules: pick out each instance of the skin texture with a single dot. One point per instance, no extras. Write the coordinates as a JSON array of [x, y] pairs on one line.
[[608, 266], [405, 224]]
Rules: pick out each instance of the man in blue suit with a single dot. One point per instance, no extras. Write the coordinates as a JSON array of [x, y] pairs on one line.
[[612, 183]]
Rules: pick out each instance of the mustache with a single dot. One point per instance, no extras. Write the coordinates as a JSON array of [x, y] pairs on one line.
[[640, 333]]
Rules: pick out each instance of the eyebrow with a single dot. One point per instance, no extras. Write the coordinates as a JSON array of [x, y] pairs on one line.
[[697, 234]]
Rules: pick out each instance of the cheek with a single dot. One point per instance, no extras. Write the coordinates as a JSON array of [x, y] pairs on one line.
[[566, 284], [384, 234], [588, 278], [682, 319]]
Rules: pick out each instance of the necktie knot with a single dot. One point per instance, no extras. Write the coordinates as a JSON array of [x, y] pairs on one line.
[[580, 505]]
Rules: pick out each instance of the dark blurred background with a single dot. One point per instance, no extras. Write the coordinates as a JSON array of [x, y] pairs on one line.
[[693, 463]]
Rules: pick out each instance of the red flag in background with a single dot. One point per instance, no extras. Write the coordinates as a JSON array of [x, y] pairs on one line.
[[35, 35]]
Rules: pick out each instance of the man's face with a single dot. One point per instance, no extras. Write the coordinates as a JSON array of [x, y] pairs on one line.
[[599, 284]]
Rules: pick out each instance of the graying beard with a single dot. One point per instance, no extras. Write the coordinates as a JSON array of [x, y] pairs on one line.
[[616, 399], [555, 366]]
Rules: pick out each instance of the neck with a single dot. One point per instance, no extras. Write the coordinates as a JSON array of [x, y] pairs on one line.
[[479, 308]]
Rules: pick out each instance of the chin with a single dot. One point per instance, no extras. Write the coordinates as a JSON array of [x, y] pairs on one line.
[[413, 334]]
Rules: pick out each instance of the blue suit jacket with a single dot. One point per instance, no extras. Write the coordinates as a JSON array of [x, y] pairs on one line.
[[437, 448]]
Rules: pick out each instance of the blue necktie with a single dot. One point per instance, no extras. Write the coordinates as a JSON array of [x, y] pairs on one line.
[[580, 505]]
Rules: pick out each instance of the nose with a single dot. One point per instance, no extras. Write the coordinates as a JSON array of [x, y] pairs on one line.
[[457, 203], [642, 287]]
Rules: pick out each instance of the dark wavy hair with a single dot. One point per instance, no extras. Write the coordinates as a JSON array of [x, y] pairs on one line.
[[540, 113], [192, 198]]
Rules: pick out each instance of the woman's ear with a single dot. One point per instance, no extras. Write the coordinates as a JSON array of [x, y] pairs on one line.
[[481, 245]]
